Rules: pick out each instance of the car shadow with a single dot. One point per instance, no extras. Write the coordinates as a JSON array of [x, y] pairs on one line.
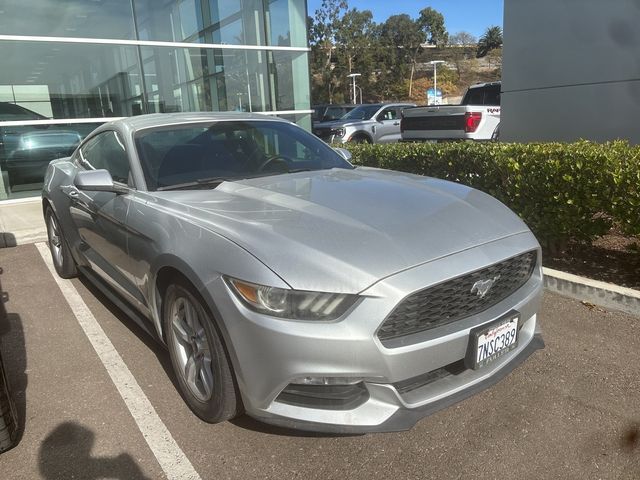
[[66, 453]]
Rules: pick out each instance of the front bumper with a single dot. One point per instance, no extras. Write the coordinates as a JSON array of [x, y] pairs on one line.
[[269, 353]]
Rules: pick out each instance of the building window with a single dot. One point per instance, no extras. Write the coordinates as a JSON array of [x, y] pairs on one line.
[[66, 67]]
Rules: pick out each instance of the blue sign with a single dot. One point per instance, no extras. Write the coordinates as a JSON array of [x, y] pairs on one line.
[[434, 97]]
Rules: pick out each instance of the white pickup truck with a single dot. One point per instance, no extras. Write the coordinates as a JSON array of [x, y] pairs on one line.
[[476, 118]]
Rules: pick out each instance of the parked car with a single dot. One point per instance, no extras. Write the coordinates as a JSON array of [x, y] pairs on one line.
[[370, 123], [476, 118], [8, 415], [27, 155], [25, 151], [289, 284], [328, 112]]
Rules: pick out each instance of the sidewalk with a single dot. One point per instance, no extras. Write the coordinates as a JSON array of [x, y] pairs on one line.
[[21, 222]]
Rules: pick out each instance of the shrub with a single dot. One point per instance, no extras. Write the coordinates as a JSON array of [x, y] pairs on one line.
[[562, 191]]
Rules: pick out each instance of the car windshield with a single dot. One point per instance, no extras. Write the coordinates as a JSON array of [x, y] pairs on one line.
[[362, 112], [183, 156]]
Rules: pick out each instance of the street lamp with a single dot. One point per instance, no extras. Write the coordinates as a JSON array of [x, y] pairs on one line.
[[435, 80], [353, 77]]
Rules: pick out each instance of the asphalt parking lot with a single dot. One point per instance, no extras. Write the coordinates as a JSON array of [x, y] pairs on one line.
[[570, 411]]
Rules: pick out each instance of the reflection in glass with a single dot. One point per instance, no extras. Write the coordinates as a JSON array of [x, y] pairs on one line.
[[64, 80], [25, 152], [199, 79], [67, 18], [233, 22]]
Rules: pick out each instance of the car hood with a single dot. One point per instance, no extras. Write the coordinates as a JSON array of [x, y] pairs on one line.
[[343, 230]]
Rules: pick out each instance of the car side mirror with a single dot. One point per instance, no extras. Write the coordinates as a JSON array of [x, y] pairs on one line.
[[344, 153], [97, 181]]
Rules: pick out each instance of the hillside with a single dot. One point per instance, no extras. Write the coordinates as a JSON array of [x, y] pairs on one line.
[[461, 69]]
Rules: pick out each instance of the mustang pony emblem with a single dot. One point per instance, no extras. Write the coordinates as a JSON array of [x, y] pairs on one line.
[[482, 287]]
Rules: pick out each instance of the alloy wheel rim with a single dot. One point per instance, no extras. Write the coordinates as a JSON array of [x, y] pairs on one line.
[[191, 348], [55, 242]]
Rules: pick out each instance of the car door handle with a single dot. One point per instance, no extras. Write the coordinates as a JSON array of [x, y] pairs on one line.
[[70, 191], [396, 124]]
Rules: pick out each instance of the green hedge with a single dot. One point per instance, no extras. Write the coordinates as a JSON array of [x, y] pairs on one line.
[[563, 191]]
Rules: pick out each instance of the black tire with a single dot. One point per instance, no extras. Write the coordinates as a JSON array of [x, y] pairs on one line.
[[360, 138], [8, 416], [224, 402], [495, 136], [63, 261]]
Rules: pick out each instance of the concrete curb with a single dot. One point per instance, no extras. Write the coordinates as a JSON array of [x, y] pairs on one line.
[[600, 293]]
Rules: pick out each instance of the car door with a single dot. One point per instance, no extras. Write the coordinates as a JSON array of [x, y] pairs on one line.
[[100, 217], [387, 128]]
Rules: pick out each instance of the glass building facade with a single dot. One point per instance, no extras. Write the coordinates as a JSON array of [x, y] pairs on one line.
[[67, 66]]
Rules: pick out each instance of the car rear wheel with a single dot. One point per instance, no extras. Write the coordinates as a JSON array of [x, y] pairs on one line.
[[62, 259], [199, 358]]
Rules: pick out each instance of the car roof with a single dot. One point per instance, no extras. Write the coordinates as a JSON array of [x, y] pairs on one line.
[[154, 120], [488, 84]]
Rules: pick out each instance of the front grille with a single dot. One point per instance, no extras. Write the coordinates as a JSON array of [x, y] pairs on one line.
[[457, 298], [323, 134]]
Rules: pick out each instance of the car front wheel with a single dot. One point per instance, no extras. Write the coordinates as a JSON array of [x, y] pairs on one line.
[[198, 356], [62, 259]]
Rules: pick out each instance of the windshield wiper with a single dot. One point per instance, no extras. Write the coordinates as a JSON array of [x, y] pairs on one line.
[[199, 183]]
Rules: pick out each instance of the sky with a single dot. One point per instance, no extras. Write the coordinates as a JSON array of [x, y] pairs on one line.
[[473, 16]]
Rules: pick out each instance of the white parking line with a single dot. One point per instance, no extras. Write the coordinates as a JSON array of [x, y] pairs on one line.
[[170, 456]]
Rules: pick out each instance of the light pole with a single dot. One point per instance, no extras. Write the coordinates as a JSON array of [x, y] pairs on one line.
[[353, 78], [435, 80]]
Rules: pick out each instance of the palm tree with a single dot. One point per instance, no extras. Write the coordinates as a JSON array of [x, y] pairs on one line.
[[491, 39]]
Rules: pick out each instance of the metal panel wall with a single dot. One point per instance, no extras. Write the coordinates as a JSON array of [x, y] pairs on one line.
[[571, 70]]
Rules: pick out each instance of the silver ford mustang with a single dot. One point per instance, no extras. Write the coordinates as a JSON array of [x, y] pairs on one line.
[[287, 283]]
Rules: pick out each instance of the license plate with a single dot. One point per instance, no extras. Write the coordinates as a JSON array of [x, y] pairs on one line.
[[490, 342]]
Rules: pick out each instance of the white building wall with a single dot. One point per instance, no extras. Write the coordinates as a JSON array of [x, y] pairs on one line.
[[571, 70]]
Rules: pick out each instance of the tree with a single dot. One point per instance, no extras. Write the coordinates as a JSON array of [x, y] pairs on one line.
[[402, 37], [356, 42], [432, 24], [322, 32], [491, 40], [460, 51], [462, 39]]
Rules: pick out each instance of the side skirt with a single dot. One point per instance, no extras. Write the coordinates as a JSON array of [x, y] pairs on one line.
[[122, 304]]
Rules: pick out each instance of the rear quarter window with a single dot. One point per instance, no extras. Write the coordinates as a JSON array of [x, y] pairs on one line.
[[488, 96]]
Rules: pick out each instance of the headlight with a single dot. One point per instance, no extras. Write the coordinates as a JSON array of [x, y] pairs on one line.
[[291, 304], [339, 132]]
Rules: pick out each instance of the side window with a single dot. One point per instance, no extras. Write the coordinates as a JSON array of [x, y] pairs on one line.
[[89, 154], [107, 151], [388, 114], [474, 96], [492, 97]]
